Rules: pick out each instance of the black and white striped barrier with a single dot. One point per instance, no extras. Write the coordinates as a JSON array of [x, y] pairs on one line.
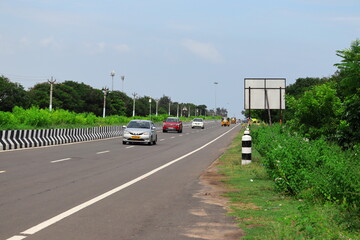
[[15, 139], [246, 148]]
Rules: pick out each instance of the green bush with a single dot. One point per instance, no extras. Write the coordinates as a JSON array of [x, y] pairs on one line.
[[316, 170]]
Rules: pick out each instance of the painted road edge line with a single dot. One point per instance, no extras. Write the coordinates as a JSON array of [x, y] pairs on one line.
[[73, 210]]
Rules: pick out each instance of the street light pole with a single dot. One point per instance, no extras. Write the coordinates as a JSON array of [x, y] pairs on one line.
[[105, 90], [169, 108], [157, 105], [122, 78], [52, 82], [150, 107], [216, 83], [112, 74], [134, 94]]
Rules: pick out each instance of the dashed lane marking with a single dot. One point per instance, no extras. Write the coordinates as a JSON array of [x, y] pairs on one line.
[[61, 160], [130, 146], [102, 152], [2, 171]]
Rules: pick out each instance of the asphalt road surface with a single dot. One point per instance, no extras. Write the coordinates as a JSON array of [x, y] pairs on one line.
[[106, 190]]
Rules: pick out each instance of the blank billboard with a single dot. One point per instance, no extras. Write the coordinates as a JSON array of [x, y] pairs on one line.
[[256, 90]]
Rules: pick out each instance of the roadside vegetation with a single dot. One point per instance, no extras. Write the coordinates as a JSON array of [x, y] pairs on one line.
[[36, 118], [293, 189], [304, 179]]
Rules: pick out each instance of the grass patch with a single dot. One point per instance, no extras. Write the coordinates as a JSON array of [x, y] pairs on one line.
[[264, 213]]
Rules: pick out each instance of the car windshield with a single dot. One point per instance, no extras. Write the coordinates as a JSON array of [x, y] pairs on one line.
[[197, 120], [138, 124], [172, 120]]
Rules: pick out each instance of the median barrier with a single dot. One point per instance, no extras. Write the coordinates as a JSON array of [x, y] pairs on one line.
[[16, 139]]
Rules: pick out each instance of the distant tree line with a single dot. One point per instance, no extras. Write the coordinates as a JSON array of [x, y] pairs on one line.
[[82, 98], [325, 107]]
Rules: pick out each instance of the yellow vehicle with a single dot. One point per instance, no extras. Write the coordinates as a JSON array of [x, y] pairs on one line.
[[255, 121], [233, 120], [225, 122]]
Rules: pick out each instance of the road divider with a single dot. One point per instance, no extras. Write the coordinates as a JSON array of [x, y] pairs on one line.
[[17, 139]]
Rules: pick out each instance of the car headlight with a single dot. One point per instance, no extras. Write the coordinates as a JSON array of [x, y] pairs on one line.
[[126, 132], [146, 133]]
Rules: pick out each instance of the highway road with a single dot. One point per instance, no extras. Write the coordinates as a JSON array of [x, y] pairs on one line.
[[106, 190]]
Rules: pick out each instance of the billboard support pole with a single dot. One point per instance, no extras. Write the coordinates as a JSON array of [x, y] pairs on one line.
[[249, 105], [281, 115], [268, 106]]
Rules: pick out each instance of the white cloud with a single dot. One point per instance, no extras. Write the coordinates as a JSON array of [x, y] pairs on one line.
[[50, 42], [348, 19], [122, 48], [204, 50]]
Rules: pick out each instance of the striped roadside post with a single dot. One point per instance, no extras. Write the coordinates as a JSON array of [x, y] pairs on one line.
[[246, 147]]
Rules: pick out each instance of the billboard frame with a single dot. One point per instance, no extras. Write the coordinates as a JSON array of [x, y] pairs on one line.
[[264, 93]]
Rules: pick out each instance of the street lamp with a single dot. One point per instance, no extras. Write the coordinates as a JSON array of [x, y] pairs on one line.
[[157, 105], [216, 83], [169, 108], [134, 94], [122, 78], [105, 91], [112, 74], [150, 107]]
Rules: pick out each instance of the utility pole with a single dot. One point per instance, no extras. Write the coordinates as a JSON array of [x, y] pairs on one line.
[[51, 82], [105, 91], [134, 94]]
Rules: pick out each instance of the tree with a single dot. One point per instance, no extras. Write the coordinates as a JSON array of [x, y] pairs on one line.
[[349, 90], [349, 69], [302, 85], [11, 95], [317, 113]]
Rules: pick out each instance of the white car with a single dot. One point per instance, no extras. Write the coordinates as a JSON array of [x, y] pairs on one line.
[[197, 122], [140, 131]]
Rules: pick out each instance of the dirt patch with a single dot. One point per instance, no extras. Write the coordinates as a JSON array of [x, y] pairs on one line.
[[213, 225]]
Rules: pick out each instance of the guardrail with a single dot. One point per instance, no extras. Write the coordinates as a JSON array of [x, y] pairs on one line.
[[16, 139]]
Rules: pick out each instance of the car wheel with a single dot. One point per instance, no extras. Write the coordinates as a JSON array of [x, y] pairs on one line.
[[203, 127], [124, 142], [155, 141], [164, 131]]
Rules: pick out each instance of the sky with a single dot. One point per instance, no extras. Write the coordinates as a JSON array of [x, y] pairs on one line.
[[176, 48]]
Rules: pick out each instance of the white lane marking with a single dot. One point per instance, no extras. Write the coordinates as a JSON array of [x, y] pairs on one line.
[[102, 152], [18, 237], [161, 140], [3, 171], [130, 146], [75, 209], [180, 135], [61, 160], [172, 137], [187, 133]]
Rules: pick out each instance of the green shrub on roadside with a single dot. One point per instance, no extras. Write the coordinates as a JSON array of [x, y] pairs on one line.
[[316, 170]]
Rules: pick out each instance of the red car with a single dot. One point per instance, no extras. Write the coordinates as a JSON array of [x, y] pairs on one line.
[[172, 124]]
